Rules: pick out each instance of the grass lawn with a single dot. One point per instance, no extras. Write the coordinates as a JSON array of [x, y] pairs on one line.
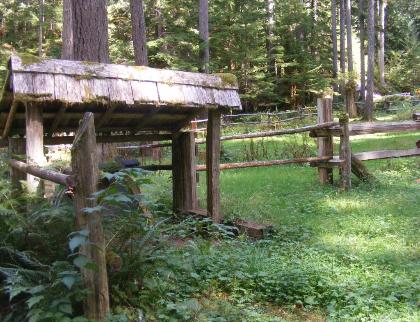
[[342, 256]]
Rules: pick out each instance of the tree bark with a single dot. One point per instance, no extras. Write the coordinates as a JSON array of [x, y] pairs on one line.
[[362, 49], [349, 37], [89, 30], [138, 30], [334, 40], [342, 46], [381, 47], [368, 111], [203, 22], [270, 36], [67, 33]]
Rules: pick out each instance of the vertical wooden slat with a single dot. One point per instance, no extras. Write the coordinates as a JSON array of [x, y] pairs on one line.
[[184, 172], [213, 164], [86, 175], [325, 144], [34, 143], [345, 153], [16, 147]]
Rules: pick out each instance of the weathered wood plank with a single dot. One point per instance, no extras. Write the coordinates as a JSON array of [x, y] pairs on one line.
[[60, 87], [416, 116], [43, 86], [183, 172], [34, 143], [345, 154], [120, 91], [258, 164], [98, 70], [386, 154], [22, 83], [213, 165], [359, 169], [171, 94], [325, 145], [86, 176], [145, 92]]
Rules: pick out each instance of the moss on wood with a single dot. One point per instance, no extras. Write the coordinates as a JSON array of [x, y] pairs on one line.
[[228, 79], [28, 59]]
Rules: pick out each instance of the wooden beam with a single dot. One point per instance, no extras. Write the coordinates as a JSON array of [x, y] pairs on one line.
[[325, 145], [257, 164], [106, 116], [369, 128], [359, 169], [9, 121], [213, 165], [86, 175], [183, 172], [416, 116], [387, 154], [345, 153], [45, 174], [57, 119], [145, 120], [34, 143]]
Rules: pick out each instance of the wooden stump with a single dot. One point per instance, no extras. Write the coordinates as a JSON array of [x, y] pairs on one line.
[[325, 144], [34, 143], [86, 176], [213, 165], [184, 172]]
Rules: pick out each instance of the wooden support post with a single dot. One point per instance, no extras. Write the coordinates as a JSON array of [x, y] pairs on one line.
[[213, 165], [86, 175], [34, 143], [184, 172], [16, 147], [345, 153], [325, 144]]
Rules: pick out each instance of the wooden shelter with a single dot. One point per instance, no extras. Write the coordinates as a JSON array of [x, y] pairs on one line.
[[42, 99]]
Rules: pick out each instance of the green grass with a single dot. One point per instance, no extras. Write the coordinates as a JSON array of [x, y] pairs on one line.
[[358, 251]]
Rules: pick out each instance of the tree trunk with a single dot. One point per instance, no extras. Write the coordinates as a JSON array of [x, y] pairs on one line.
[[270, 36], [334, 40], [381, 48], [41, 27], [342, 44], [90, 30], [159, 20], [67, 33], [203, 21], [349, 37], [138, 31], [362, 49], [350, 104], [371, 62]]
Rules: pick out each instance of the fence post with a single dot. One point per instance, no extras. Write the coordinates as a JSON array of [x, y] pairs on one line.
[[184, 172], [325, 144], [16, 147], [34, 143], [345, 153], [86, 175], [213, 165]]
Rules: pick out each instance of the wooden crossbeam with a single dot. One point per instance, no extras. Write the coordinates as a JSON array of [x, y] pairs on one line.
[[9, 121], [57, 120], [387, 154], [105, 117], [145, 120]]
